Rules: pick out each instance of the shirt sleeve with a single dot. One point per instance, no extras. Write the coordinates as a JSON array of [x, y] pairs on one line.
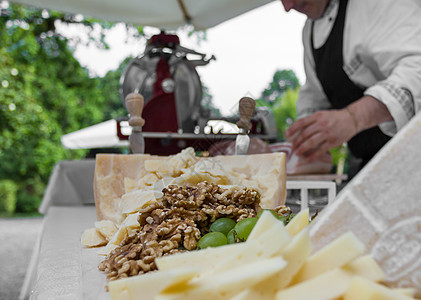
[[311, 97], [393, 48]]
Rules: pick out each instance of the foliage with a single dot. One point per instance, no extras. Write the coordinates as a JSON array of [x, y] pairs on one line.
[[280, 97], [8, 191], [208, 105], [45, 93]]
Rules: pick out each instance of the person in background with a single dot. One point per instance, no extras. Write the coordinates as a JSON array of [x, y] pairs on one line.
[[362, 60]]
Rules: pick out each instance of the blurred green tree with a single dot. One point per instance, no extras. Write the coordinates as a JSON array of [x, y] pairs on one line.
[[280, 97], [45, 93]]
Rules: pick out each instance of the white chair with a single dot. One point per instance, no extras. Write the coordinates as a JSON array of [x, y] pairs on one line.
[[305, 185]]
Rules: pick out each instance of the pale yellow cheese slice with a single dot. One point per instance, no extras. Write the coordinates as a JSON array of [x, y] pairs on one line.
[[410, 292], [228, 283], [106, 228], [104, 251], [267, 171], [266, 221], [252, 294], [147, 286], [329, 285], [272, 239], [135, 200], [131, 221], [261, 247], [295, 254], [91, 237], [336, 254], [119, 236], [298, 222], [206, 259], [364, 289], [366, 267]]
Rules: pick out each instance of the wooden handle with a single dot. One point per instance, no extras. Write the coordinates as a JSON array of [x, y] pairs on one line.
[[134, 104], [246, 108]]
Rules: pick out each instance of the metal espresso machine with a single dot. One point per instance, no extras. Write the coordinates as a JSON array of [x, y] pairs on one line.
[[171, 94]]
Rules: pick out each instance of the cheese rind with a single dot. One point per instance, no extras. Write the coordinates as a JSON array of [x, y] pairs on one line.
[[117, 174]]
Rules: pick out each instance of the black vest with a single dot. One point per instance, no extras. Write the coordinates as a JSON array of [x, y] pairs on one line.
[[340, 90]]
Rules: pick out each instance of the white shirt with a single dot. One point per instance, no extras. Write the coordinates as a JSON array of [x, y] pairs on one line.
[[382, 55]]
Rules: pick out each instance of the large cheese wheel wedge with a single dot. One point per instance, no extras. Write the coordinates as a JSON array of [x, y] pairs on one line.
[[115, 172]]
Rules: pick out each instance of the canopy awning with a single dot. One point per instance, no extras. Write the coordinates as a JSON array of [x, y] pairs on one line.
[[165, 14]]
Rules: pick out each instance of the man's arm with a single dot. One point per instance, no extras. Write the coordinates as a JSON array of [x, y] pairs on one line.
[[314, 135]]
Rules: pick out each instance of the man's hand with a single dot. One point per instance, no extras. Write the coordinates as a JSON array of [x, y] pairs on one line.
[[315, 135]]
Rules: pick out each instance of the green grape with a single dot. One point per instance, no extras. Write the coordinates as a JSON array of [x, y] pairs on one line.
[[212, 239], [223, 225], [231, 236], [244, 227], [274, 213]]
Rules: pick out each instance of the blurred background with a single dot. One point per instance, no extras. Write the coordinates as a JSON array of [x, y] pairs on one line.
[[60, 73]]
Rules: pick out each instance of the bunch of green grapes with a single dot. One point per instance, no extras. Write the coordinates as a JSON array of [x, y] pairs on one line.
[[226, 231]]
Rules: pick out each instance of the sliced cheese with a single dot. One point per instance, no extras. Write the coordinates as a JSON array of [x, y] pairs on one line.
[[227, 283], [366, 267], [147, 286], [107, 228], [262, 247], [91, 237], [329, 285], [206, 259], [119, 236], [295, 254], [336, 254], [364, 289], [266, 221], [298, 222], [136, 200], [271, 167], [104, 251], [410, 292], [252, 294], [160, 167], [131, 221], [273, 239]]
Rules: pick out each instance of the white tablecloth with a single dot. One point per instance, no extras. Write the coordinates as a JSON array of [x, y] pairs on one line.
[[65, 269], [71, 183]]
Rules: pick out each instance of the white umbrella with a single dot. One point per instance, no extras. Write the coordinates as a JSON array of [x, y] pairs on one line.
[[165, 14], [102, 135]]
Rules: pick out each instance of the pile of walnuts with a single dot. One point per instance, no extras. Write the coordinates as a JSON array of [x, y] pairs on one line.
[[176, 223]]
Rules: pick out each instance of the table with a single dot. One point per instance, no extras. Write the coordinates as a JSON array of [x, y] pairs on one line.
[[64, 268], [60, 267]]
